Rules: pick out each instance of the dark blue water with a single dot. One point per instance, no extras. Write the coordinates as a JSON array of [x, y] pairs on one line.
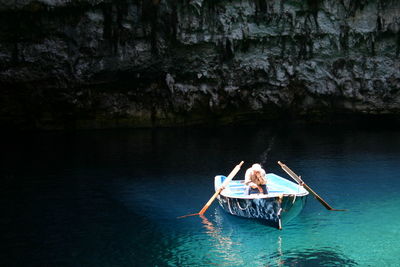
[[111, 198]]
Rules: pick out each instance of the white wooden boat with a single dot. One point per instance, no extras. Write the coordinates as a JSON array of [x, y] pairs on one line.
[[284, 200]]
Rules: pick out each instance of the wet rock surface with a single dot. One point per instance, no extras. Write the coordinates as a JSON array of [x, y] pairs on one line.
[[101, 64]]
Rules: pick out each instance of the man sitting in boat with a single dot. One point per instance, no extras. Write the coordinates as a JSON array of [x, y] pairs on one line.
[[255, 180]]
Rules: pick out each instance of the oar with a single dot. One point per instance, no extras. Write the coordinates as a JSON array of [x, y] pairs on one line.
[[224, 184], [301, 182]]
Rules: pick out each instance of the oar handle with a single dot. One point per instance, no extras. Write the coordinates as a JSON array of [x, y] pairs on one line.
[[232, 174], [224, 184], [291, 173]]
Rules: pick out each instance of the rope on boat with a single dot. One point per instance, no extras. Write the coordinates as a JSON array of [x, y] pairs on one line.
[[248, 204], [229, 205]]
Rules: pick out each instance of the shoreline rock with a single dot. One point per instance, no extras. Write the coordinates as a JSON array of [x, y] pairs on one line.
[[130, 63]]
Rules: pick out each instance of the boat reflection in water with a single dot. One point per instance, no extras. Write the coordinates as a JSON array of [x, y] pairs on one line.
[[240, 250], [284, 200]]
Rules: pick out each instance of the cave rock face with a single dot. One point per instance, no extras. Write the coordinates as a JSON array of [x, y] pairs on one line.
[[134, 63]]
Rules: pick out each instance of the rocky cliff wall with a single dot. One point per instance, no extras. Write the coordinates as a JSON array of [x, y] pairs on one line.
[[135, 63]]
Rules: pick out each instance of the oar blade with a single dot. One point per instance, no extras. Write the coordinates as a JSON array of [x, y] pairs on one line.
[[188, 215]]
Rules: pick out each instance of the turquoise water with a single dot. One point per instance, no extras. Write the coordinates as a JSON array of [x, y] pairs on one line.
[[112, 198]]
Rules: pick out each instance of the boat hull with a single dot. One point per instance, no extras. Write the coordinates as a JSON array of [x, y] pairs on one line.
[[272, 209]]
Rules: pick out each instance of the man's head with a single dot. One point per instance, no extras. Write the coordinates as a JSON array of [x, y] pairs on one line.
[[256, 168]]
